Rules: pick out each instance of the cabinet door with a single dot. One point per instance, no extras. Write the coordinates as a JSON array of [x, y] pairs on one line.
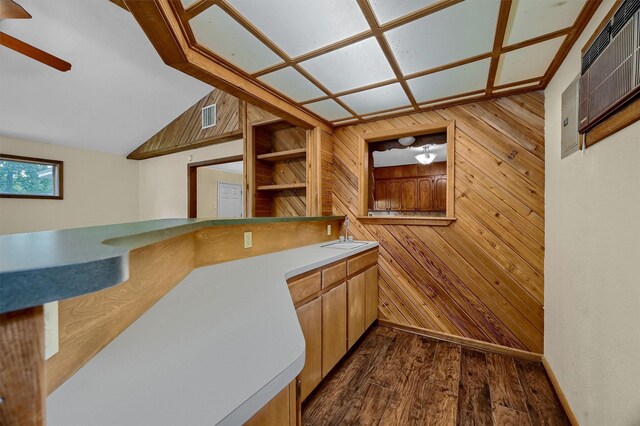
[[371, 296], [380, 196], [310, 317], [440, 193], [356, 307], [409, 193], [425, 195], [334, 327], [394, 194]]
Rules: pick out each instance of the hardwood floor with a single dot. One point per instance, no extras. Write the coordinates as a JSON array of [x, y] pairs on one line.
[[398, 378]]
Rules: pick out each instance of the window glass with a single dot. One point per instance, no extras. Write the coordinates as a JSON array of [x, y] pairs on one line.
[[29, 178]]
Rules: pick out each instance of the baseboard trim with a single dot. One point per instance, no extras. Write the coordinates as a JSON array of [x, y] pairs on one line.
[[465, 341], [559, 393]]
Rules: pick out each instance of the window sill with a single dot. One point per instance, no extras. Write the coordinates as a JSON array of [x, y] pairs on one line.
[[400, 220]]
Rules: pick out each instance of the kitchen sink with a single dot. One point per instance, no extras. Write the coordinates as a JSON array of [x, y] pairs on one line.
[[345, 245]]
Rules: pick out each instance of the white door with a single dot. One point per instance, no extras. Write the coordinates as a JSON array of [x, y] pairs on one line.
[[229, 200]]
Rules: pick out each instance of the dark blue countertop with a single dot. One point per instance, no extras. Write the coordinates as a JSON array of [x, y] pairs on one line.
[[40, 267]]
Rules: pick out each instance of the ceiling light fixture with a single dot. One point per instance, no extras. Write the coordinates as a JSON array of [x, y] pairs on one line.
[[426, 157], [406, 141]]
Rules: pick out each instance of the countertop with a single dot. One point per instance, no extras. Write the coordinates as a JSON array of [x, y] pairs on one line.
[[40, 267], [213, 350]]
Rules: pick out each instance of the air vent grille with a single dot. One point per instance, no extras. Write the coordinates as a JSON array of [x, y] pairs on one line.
[[209, 116], [623, 15], [611, 75]]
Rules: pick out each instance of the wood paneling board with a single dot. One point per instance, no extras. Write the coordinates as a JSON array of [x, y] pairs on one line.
[[482, 276], [22, 376], [186, 132], [408, 379], [88, 323]]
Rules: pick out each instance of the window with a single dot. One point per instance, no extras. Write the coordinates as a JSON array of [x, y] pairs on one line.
[[407, 175], [25, 177]]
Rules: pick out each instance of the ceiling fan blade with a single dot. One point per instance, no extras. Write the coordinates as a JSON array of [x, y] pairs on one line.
[[33, 52], [9, 9]]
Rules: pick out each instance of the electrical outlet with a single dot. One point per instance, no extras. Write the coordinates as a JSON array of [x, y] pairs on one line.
[[248, 239], [328, 229], [51, 344]]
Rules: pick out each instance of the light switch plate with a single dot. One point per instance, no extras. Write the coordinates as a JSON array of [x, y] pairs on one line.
[[248, 239], [51, 343], [328, 229]]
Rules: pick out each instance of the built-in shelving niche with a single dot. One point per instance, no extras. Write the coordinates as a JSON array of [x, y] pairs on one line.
[[280, 169]]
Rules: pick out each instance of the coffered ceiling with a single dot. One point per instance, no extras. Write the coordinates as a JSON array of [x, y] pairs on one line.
[[350, 60]]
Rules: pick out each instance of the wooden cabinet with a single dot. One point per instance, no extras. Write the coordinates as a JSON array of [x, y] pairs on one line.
[[310, 315], [440, 193], [371, 296], [409, 195], [380, 196], [282, 410], [411, 188], [362, 294], [356, 290], [334, 327], [335, 305], [394, 194]]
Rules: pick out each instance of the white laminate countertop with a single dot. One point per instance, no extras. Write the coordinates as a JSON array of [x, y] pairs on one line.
[[213, 350]]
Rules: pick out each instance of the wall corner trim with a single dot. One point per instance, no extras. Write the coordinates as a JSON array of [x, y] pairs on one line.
[[560, 393]]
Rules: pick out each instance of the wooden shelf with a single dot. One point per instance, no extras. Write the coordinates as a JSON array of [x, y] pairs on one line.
[[283, 187], [283, 155]]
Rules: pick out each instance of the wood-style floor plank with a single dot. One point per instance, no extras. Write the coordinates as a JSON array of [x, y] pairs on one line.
[[392, 377], [474, 399]]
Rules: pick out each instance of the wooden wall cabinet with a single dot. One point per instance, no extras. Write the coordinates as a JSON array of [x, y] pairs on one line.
[[335, 306], [414, 188]]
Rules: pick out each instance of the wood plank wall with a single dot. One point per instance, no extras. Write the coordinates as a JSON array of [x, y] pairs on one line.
[[186, 132], [482, 276]]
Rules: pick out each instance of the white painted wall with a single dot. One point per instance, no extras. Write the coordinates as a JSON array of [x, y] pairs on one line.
[[592, 284], [99, 189], [208, 189], [163, 180]]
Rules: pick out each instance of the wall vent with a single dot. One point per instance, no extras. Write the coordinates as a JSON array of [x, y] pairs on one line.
[[611, 67], [209, 116]]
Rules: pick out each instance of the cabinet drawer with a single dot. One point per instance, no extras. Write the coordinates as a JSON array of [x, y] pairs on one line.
[[301, 288], [334, 274], [361, 261]]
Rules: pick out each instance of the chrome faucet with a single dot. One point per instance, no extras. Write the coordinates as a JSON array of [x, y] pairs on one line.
[[346, 228]]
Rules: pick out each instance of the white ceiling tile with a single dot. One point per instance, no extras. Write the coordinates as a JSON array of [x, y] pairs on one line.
[[378, 99], [529, 18], [387, 10], [329, 110], [528, 62], [457, 32], [301, 26], [187, 3], [450, 82], [218, 32], [353, 66], [292, 84]]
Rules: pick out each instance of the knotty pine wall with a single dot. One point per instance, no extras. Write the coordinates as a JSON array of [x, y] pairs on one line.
[[482, 276]]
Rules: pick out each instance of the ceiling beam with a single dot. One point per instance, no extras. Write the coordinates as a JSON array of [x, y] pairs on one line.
[[161, 23], [370, 16], [498, 41], [33, 52]]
